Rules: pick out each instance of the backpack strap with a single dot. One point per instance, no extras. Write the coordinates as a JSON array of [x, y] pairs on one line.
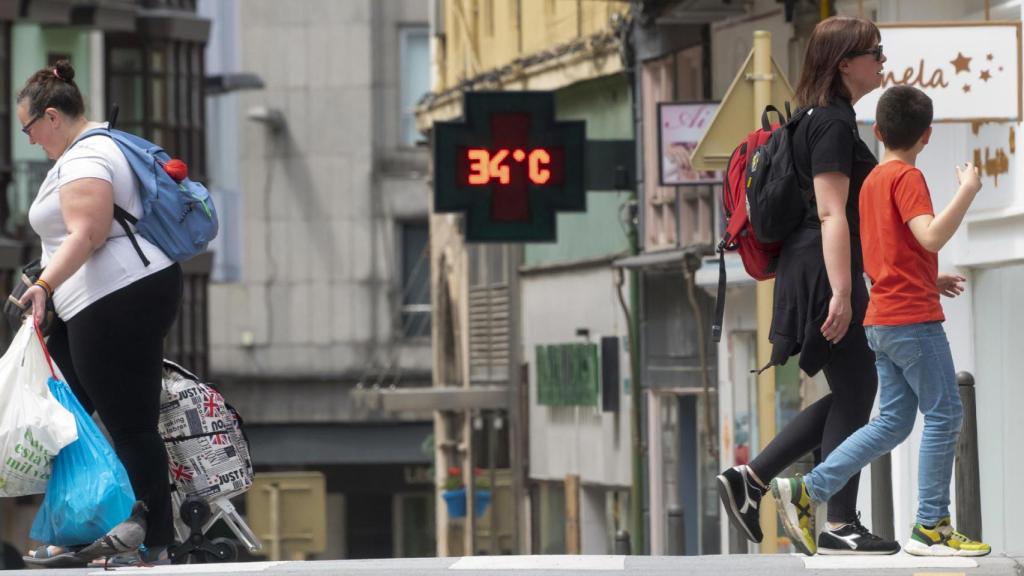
[[765, 120], [121, 216], [716, 324]]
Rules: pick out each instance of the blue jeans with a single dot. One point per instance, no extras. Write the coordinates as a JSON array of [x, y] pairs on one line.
[[915, 370]]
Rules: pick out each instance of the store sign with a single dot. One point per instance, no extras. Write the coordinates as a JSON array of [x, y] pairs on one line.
[[680, 128], [509, 167], [971, 71]]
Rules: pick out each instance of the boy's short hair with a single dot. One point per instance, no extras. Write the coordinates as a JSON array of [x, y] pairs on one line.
[[903, 115]]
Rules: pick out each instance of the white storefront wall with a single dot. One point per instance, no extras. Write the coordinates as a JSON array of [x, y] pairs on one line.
[[580, 440]]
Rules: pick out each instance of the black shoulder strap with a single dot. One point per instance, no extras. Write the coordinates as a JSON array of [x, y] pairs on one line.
[[716, 324], [123, 217]]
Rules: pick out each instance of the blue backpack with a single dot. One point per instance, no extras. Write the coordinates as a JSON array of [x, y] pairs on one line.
[[178, 217]]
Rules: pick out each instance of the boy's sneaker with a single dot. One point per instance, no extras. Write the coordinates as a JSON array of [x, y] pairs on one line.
[[854, 539], [943, 540], [741, 497], [796, 511]]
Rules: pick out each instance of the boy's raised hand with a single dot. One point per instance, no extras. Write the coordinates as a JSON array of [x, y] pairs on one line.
[[950, 285], [968, 177]]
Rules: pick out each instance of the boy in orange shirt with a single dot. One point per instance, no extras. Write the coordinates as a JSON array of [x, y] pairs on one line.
[[901, 237]]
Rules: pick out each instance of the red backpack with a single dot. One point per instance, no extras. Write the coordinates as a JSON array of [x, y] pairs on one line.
[[760, 173]]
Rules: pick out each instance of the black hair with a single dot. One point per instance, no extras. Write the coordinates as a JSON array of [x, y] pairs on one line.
[[903, 114], [53, 87]]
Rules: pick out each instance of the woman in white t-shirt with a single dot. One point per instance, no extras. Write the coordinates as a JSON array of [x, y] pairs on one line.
[[113, 311]]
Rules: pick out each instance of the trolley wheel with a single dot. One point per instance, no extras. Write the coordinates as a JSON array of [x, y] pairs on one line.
[[226, 549], [194, 512], [177, 554]]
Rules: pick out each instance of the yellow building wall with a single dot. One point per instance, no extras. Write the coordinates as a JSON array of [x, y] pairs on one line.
[[484, 35]]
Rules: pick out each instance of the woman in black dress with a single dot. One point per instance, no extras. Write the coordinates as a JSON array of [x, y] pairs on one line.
[[820, 295]]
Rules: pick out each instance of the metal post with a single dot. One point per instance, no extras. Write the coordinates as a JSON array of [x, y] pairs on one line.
[[968, 483], [492, 450], [762, 79], [622, 544], [275, 521], [676, 532], [881, 497]]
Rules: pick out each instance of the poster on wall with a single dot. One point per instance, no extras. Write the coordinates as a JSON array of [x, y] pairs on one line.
[[971, 70], [680, 126]]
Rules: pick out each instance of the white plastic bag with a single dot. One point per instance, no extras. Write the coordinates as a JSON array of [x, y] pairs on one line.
[[33, 424]]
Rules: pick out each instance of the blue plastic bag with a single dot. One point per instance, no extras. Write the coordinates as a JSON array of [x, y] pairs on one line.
[[89, 492]]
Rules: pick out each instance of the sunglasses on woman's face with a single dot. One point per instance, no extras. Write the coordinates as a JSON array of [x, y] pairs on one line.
[[876, 52]]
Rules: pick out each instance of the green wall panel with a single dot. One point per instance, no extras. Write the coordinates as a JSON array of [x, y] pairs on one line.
[[606, 107]]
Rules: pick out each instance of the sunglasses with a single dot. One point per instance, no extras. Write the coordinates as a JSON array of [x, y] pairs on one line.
[[28, 126], [876, 52]]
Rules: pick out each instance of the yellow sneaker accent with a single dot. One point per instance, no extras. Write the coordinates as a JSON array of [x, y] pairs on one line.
[[943, 540], [796, 510]]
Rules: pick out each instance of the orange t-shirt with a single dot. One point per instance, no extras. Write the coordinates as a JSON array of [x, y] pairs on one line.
[[902, 273]]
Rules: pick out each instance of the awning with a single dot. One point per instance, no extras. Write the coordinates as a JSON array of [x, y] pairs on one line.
[[735, 274], [47, 12], [429, 399], [697, 11], [109, 16], [661, 258], [324, 444]]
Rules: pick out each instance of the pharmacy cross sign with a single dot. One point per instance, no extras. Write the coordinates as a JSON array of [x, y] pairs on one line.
[[509, 167]]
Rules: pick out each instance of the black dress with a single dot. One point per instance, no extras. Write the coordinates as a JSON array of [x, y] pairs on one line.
[[825, 140]]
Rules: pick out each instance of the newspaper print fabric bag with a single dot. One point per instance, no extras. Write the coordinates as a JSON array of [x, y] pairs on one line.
[[207, 451]]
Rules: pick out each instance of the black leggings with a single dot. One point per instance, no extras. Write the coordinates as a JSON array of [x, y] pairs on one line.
[[826, 423], [112, 356]]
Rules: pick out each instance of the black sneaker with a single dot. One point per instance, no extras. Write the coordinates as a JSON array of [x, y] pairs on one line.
[[854, 539], [742, 500]]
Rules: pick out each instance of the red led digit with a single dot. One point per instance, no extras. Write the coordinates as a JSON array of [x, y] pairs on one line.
[[539, 160], [478, 166], [497, 170]]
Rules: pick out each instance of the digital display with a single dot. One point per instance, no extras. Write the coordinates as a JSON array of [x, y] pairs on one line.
[[509, 166], [487, 167]]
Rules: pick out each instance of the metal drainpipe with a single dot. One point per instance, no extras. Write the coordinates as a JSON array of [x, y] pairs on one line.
[[636, 498]]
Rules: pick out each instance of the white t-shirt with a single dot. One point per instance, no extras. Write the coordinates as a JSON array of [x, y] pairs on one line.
[[113, 265]]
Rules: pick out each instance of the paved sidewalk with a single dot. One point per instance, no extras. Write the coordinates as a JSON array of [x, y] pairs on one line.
[[731, 565]]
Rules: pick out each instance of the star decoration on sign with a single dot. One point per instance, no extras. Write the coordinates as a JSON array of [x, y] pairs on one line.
[[984, 75], [988, 57], [961, 63], [967, 87]]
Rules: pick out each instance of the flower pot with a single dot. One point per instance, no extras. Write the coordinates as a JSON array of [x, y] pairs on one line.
[[456, 502]]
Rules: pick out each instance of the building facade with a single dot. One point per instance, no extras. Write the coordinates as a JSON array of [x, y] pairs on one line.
[[322, 287], [499, 306]]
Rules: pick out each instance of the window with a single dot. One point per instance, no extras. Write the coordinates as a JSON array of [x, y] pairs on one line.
[[415, 277], [6, 111], [674, 216], [490, 312], [158, 87], [414, 81]]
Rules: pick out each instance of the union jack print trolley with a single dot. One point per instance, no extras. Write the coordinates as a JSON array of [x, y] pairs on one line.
[[209, 462]]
